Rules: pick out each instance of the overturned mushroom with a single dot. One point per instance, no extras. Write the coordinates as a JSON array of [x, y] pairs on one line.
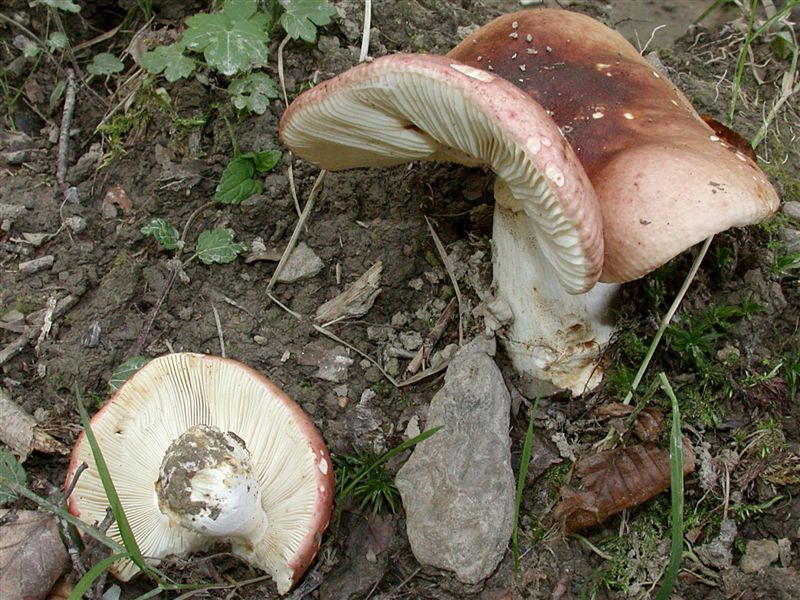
[[203, 449], [645, 162]]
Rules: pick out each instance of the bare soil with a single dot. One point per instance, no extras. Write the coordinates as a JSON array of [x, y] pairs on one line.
[[365, 216]]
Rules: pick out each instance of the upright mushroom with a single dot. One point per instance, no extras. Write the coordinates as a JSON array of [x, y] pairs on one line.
[[645, 162], [203, 449]]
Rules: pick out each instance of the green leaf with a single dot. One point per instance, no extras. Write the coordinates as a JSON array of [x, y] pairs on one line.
[[303, 16], [123, 372], [237, 182], [232, 41], [65, 5], [164, 233], [522, 477], [170, 60], [264, 161], [253, 92], [12, 472], [217, 246], [105, 64], [57, 41]]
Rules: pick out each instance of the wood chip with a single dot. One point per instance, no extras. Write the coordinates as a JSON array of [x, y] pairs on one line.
[[356, 300], [21, 433]]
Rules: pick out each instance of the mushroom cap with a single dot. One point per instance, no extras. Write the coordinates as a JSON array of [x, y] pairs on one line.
[[664, 179], [408, 107], [158, 404]]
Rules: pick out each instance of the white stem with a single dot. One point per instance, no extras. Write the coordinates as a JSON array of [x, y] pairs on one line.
[[555, 339], [207, 484]]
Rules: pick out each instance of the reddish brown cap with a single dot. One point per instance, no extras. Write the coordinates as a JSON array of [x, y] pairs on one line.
[[418, 107], [664, 179]]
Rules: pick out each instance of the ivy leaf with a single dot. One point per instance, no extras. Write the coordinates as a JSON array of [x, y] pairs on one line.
[[170, 60], [65, 5], [264, 161], [12, 471], [253, 92], [57, 41], [217, 246], [232, 41], [165, 234], [238, 182], [123, 372], [303, 16], [105, 63]]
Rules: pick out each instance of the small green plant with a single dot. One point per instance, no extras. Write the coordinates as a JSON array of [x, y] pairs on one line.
[[363, 476], [523, 474], [10, 472], [234, 42]]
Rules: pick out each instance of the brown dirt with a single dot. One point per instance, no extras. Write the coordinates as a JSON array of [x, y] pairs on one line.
[[362, 217]]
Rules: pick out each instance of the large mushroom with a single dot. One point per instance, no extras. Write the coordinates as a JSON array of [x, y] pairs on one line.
[[597, 131], [203, 449]]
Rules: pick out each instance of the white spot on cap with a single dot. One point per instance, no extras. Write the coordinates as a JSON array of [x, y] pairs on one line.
[[514, 25], [713, 138], [323, 466], [533, 145], [546, 142], [598, 115], [554, 174], [529, 38], [513, 35], [601, 66], [532, 51], [674, 102], [628, 116], [522, 68], [741, 157], [473, 72], [656, 75]]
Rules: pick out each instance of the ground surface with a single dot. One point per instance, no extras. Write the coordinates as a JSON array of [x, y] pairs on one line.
[[735, 376]]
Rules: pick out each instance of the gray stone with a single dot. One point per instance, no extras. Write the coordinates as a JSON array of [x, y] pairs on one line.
[[301, 264], [758, 555], [458, 486], [792, 210]]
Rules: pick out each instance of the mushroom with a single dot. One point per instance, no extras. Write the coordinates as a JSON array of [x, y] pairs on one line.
[[203, 449], [664, 178], [647, 167]]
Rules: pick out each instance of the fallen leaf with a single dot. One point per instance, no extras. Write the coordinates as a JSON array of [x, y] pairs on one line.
[[613, 480], [649, 424], [380, 534], [32, 556], [356, 300], [117, 196]]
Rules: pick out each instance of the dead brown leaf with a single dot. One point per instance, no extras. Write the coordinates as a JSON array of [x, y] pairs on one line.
[[117, 196], [32, 556], [648, 425], [613, 480]]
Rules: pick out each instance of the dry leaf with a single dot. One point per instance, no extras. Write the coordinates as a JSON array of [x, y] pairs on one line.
[[612, 410], [20, 432], [649, 424], [32, 556], [356, 300], [613, 480], [117, 196]]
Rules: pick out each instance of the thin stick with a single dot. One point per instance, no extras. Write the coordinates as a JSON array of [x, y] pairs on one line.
[[31, 333], [66, 122], [312, 196], [448, 267], [365, 34], [667, 319], [219, 330]]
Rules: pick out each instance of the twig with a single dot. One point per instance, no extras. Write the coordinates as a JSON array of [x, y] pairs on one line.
[[219, 330], [432, 338], [31, 333], [667, 319], [448, 267], [66, 122], [312, 196], [74, 481], [365, 33]]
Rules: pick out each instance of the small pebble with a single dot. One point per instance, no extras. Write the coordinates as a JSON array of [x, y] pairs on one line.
[[792, 210], [758, 555], [37, 264]]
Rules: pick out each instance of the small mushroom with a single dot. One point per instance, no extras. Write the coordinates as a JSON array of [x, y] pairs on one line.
[[600, 153], [201, 450]]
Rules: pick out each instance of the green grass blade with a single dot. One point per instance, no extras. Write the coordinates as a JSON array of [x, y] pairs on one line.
[[124, 527], [676, 486], [155, 592], [87, 581], [389, 454], [523, 474]]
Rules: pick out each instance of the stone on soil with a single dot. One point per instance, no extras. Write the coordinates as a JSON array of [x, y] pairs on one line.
[[458, 486], [759, 554], [301, 264]]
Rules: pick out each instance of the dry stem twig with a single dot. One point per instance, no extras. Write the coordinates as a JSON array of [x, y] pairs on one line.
[[449, 268], [66, 122]]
